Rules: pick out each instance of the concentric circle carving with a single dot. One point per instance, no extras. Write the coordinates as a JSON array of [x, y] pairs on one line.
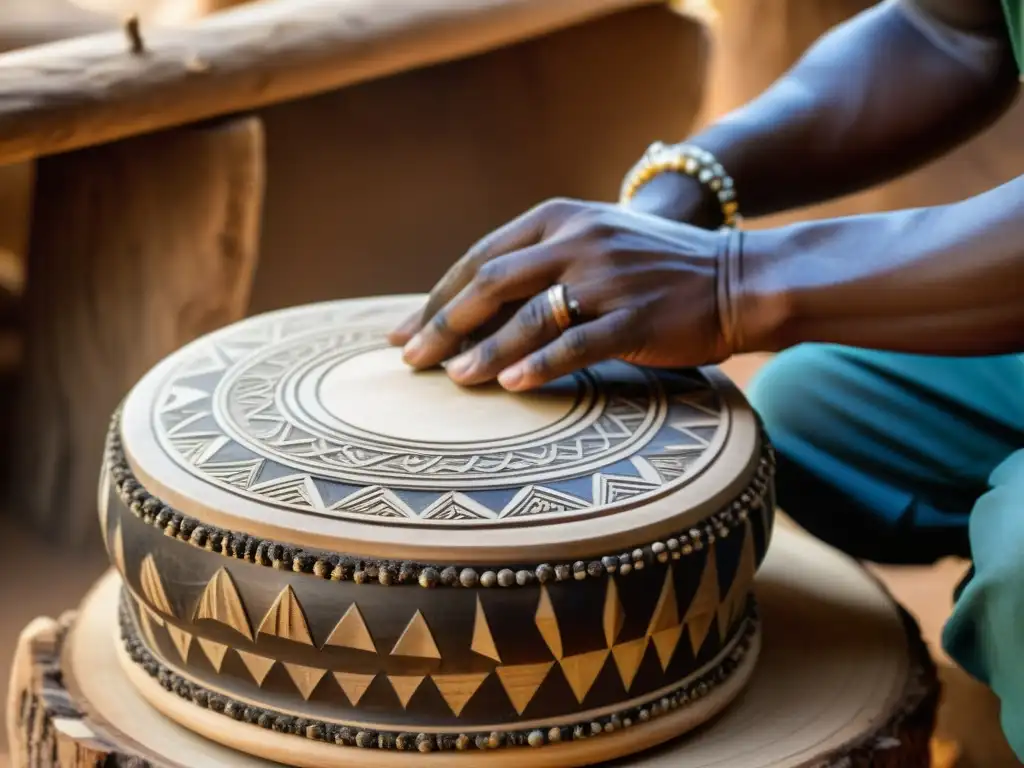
[[309, 410]]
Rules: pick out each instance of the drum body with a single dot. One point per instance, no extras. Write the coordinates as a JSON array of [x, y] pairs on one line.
[[317, 542]]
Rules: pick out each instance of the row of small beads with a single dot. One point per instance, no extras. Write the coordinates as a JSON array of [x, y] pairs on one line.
[[361, 570], [430, 742]]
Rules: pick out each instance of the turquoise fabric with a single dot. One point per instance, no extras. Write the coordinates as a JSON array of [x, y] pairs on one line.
[[1014, 10], [906, 459]]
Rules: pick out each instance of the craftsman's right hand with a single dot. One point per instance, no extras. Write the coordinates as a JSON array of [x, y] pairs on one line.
[[647, 290]]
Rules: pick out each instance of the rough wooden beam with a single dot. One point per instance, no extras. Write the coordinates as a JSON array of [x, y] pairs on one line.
[[137, 248], [92, 90]]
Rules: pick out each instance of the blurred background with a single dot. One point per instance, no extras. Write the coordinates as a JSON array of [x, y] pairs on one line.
[[376, 188]]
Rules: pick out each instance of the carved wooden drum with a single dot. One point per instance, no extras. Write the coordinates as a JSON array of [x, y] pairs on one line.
[[317, 542], [321, 558]]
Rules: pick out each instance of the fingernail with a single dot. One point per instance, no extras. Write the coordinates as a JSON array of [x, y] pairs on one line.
[[510, 378], [412, 349], [459, 366]]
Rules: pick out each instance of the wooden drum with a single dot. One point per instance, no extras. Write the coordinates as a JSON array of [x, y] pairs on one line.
[[323, 558]]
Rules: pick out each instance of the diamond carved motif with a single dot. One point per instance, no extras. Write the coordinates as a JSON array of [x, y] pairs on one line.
[[665, 628], [614, 614]]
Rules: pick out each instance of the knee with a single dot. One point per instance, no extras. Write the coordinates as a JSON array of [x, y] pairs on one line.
[[985, 636], [785, 391]]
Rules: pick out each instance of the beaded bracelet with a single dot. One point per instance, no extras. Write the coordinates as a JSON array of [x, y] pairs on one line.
[[691, 160]]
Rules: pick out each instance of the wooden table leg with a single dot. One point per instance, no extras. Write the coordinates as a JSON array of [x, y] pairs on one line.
[[136, 248]]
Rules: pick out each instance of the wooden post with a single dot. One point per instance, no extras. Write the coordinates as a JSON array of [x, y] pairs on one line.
[[136, 248]]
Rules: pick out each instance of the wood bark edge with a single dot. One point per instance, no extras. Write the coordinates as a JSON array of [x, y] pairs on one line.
[[45, 725], [903, 739]]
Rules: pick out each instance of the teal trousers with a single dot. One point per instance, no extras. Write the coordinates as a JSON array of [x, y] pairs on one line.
[[906, 459]]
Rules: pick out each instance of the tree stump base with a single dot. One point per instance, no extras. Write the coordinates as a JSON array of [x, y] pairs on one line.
[[843, 681]]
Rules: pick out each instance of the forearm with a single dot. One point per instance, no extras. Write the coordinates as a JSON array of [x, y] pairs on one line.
[[878, 96], [947, 280]]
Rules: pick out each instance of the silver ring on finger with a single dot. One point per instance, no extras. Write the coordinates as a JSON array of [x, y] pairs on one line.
[[564, 310]]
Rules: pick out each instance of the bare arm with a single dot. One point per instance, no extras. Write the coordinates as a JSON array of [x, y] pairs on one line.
[[888, 91], [947, 280]]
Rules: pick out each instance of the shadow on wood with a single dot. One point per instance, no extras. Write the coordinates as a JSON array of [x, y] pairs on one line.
[[136, 248]]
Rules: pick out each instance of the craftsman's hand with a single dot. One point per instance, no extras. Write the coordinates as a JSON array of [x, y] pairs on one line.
[[646, 289]]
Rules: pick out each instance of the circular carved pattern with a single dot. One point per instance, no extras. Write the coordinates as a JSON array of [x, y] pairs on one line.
[[310, 410]]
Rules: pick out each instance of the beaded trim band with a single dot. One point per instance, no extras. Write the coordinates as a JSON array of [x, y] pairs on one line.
[[339, 567], [319, 730], [691, 160]]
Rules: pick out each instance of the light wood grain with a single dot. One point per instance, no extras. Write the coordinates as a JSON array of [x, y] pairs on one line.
[[801, 708], [136, 248], [92, 90]]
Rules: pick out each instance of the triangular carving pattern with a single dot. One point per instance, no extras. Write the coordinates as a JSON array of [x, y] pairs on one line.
[[521, 682], [198, 448], [117, 550], [537, 500], [483, 640], [732, 606], [405, 686], [457, 506], [146, 623], [628, 657], [182, 640], [666, 611], [704, 606], [214, 651], [103, 501], [457, 690], [299, 490], [286, 619], [180, 396], [306, 679], [610, 489], [416, 640], [222, 603], [665, 643], [240, 474], [153, 586], [351, 632], [259, 666], [614, 614], [374, 501], [354, 685], [582, 670]]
